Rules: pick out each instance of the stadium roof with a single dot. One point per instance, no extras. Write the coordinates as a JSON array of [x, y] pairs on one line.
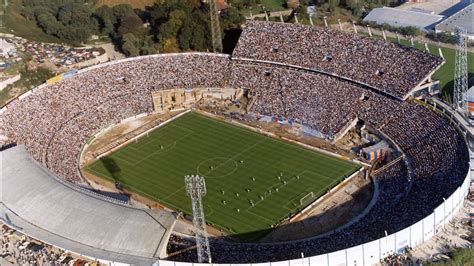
[[35, 202], [403, 18], [463, 18]]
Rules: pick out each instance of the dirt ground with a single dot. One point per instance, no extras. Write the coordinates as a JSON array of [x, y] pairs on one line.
[[350, 140], [116, 134], [339, 208], [336, 210], [287, 132]]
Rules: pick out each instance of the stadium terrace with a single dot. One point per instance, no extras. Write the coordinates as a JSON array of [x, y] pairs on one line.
[[394, 69], [318, 77]]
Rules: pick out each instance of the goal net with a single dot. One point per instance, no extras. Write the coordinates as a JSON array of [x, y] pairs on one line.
[[307, 198]]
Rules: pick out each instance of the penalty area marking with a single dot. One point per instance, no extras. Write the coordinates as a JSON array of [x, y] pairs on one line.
[[172, 194], [331, 184], [153, 153], [232, 158], [265, 218], [223, 163], [116, 156]]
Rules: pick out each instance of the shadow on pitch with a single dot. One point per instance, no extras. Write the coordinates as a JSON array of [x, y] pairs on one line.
[[295, 231], [327, 221], [447, 91], [112, 167]]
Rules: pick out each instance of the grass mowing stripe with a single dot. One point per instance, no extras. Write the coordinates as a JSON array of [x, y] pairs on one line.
[[240, 167]]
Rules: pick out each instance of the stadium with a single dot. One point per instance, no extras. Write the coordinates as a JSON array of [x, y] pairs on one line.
[[294, 124]]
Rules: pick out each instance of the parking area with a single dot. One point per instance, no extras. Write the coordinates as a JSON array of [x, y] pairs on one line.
[[18, 249]]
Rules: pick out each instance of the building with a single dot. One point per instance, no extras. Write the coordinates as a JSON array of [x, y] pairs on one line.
[[5, 48], [463, 18], [221, 5], [394, 17], [37, 203], [469, 96]]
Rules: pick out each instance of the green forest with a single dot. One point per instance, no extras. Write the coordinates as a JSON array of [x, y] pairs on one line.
[[163, 25], [166, 26]]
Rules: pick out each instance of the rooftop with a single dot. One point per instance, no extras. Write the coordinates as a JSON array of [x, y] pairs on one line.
[[463, 18], [403, 18], [35, 202]]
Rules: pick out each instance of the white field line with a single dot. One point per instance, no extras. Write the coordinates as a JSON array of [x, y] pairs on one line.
[[142, 134], [325, 196], [286, 140], [236, 155], [249, 211], [172, 194], [158, 151], [280, 185]]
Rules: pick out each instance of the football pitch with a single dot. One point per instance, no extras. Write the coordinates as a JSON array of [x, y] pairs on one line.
[[253, 181]]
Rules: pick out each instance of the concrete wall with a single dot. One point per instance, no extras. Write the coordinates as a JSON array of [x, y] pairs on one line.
[[9, 81], [372, 252], [94, 61], [365, 254]]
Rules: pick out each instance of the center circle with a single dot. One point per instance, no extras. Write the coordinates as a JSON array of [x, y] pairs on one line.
[[217, 167]]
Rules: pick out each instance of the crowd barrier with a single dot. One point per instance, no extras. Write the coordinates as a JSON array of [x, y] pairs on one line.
[[12, 102], [372, 252], [366, 254]]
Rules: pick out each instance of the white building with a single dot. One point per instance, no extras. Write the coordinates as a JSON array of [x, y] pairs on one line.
[[463, 18], [5, 47], [394, 17]]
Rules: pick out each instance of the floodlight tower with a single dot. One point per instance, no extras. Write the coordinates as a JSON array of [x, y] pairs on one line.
[[215, 27], [196, 189], [460, 71]]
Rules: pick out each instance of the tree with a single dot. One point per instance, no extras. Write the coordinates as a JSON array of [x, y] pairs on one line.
[[231, 18], [174, 24], [106, 19], [186, 34], [333, 4], [130, 24], [78, 21], [122, 10], [70, 20], [411, 31], [49, 23], [170, 45], [148, 47], [171, 28], [195, 32], [200, 40], [130, 45], [28, 12]]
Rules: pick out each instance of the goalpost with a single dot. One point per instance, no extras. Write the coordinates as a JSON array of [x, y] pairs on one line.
[[305, 199]]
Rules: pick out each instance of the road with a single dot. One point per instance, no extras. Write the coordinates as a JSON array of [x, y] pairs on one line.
[[271, 14]]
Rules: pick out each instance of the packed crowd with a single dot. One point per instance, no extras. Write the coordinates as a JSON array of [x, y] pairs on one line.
[[178, 245], [399, 207], [321, 101], [54, 122], [390, 67], [409, 189]]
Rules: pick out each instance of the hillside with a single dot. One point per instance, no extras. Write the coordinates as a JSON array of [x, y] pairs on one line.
[[140, 4]]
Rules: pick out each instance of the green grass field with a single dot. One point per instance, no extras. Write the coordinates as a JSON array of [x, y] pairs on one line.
[[15, 23], [239, 165], [444, 74]]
